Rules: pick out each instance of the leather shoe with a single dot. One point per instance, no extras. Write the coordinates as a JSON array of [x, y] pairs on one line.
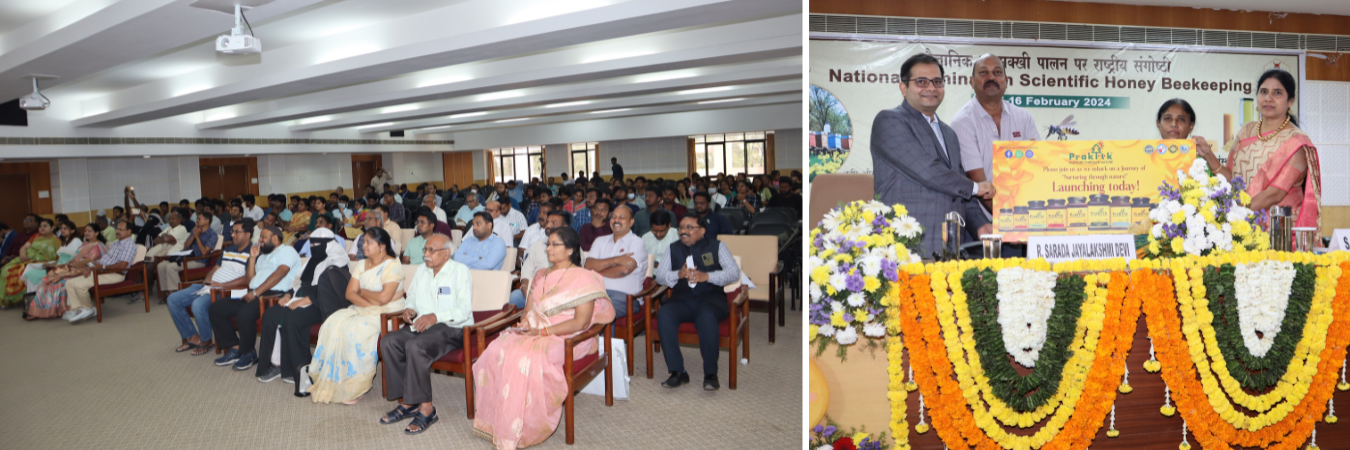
[[710, 383], [676, 379]]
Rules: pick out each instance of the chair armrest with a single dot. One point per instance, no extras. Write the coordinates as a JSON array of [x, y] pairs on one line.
[[778, 269], [213, 254], [125, 271], [591, 332], [389, 322], [741, 298], [268, 301]]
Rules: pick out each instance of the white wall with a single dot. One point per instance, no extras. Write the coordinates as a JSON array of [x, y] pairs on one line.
[[644, 156], [304, 172], [85, 184], [417, 168], [558, 160], [730, 120], [787, 149], [1327, 121]]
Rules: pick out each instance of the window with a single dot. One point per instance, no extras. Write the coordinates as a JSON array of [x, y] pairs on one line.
[[518, 163], [582, 156], [732, 153]]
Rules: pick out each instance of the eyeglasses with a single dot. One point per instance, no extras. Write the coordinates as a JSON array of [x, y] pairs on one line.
[[426, 250], [689, 227], [924, 82], [553, 244]]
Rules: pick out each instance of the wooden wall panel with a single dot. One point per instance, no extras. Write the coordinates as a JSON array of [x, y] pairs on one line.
[[39, 179], [250, 161], [457, 168], [1321, 70]]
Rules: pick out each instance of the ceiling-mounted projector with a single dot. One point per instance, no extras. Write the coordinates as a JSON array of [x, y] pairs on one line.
[[34, 101], [237, 42]]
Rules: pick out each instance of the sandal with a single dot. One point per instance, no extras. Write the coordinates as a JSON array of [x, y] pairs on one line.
[[398, 414], [202, 348], [421, 422], [185, 347]]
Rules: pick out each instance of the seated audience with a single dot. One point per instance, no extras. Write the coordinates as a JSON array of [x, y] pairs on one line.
[[717, 224], [745, 198], [536, 256], [563, 302], [40, 249], [425, 226], [299, 223], [373, 220], [323, 221], [599, 224], [397, 213], [642, 219], [466, 212], [659, 238], [535, 232], [15, 239], [50, 294], [118, 257], [344, 367], [70, 246], [227, 275], [482, 249], [671, 202], [319, 291], [435, 206], [251, 209], [582, 213], [704, 267], [785, 197], [272, 267], [621, 258], [500, 224], [201, 242], [438, 307]]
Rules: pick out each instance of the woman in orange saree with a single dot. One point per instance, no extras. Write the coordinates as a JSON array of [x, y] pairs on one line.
[[520, 380], [1273, 156]]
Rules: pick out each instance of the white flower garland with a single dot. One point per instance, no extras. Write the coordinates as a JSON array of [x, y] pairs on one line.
[[1263, 290], [1025, 300]]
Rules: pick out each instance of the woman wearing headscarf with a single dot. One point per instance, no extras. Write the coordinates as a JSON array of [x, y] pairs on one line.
[[318, 293], [343, 366]]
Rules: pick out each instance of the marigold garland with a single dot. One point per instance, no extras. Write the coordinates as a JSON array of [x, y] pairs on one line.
[[1197, 399], [928, 302]]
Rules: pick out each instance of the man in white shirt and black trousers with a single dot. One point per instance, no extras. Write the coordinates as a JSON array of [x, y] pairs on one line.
[[695, 269], [439, 307]]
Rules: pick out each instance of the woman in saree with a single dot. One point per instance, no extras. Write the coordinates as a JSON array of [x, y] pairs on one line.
[[1276, 159], [50, 300], [299, 224], [40, 249], [344, 362], [70, 246], [520, 380]]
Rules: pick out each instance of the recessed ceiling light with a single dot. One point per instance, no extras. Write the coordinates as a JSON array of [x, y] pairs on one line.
[[198, 88], [615, 56], [513, 120], [347, 52], [310, 120], [662, 77], [399, 108], [442, 127], [146, 157], [711, 89], [375, 125], [559, 105], [499, 96], [472, 114], [610, 110], [722, 100]]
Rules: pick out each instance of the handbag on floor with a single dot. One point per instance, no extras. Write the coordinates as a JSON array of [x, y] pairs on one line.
[[618, 360]]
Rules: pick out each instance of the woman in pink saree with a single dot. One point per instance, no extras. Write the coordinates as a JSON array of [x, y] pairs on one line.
[[1276, 159], [520, 380]]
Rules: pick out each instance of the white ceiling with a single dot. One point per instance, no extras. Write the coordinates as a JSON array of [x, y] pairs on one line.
[[1337, 7], [331, 66]]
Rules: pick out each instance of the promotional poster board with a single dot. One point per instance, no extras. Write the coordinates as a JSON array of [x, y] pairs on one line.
[[1111, 90], [1049, 188]]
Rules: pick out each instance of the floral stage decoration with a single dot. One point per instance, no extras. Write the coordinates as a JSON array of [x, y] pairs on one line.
[[1204, 214], [1249, 345], [830, 437], [855, 253]]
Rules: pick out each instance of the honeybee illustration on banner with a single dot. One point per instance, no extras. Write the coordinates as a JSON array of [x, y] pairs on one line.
[[1064, 128]]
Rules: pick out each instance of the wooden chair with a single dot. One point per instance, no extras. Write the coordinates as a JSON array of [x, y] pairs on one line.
[[629, 326], [763, 268], [492, 313], [733, 331], [136, 279], [581, 372]]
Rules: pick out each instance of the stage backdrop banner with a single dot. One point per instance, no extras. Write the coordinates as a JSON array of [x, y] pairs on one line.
[[1093, 92], [1048, 188]]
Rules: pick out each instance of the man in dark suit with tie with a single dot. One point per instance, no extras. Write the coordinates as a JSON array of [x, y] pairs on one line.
[[917, 160]]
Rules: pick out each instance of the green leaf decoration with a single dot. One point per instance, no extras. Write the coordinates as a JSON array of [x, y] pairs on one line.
[[1022, 393], [1257, 373]]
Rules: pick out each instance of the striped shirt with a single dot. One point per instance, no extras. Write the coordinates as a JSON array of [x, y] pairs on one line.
[[976, 133], [120, 251], [233, 264]]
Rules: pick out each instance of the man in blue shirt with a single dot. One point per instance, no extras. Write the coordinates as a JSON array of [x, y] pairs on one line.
[[482, 250], [271, 269], [582, 215]]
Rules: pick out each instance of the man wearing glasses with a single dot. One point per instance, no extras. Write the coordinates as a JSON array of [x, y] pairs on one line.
[[695, 268], [917, 158]]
